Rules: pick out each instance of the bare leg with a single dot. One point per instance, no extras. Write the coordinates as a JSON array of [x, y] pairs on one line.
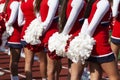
[[43, 63], [115, 48], [58, 69], [28, 63], [52, 69], [111, 69], [14, 59], [76, 71], [95, 71], [69, 69]]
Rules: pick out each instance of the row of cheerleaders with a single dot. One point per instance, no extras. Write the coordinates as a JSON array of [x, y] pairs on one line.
[[78, 30]]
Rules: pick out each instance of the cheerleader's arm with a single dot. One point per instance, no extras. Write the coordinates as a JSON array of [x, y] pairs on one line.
[[53, 6], [77, 5], [100, 12], [115, 8], [21, 20], [14, 12], [84, 26]]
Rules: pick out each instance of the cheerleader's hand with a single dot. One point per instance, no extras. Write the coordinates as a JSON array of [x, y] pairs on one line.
[[9, 29]]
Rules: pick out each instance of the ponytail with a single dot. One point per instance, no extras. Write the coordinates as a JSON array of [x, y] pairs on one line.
[[111, 2], [5, 6], [37, 5], [62, 15], [88, 8]]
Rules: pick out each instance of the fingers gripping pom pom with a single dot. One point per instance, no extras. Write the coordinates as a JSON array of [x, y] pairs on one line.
[[80, 48], [33, 32], [57, 43]]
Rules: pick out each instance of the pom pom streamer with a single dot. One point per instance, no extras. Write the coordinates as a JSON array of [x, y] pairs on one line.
[[80, 48], [33, 32], [57, 43]]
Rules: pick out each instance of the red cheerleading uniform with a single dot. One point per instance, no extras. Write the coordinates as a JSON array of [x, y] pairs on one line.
[[2, 1], [101, 51], [52, 29], [79, 21], [14, 39], [29, 15], [53, 26], [77, 25], [28, 11], [115, 38]]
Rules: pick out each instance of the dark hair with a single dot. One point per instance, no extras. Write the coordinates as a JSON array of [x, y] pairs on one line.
[[62, 15], [37, 5], [88, 8], [5, 6], [111, 2]]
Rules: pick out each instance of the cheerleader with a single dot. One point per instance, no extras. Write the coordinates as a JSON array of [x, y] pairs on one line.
[[14, 31], [74, 14], [26, 17], [115, 37], [97, 26], [72, 10], [49, 18]]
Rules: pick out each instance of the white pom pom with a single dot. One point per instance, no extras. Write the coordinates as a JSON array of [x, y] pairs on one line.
[[33, 32], [57, 42], [80, 48]]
